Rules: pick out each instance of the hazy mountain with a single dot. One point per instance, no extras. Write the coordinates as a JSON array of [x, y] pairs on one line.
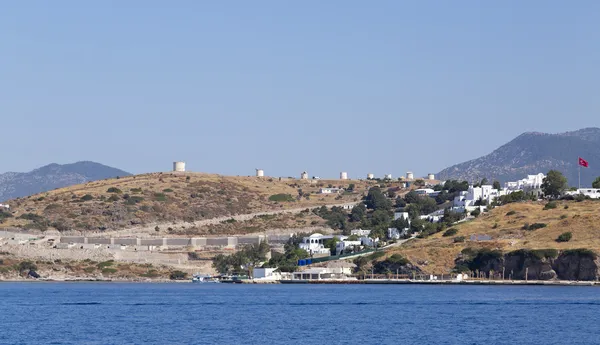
[[14, 185], [532, 153]]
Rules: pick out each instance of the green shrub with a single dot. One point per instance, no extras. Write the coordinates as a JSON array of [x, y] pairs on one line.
[[533, 226], [475, 212], [160, 197], [114, 190], [459, 239], [132, 200], [177, 275], [550, 205], [26, 266], [281, 197], [450, 232], [510, 213], [168, 190], [113, 198], [564, 237], [87, 197], [109, 270], [564, 216], [135, 190], [105, 264], [151, 273], [566, 207], [376, 255]]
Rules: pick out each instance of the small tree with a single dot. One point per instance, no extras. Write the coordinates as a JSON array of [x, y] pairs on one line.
[[496, 185], [596, 183], [554, 184], [564, 237]]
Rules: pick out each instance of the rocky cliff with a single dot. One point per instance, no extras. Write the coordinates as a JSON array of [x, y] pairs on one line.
[[546, 264]]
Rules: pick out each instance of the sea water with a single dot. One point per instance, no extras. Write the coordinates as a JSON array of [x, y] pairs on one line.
[[114, 313]]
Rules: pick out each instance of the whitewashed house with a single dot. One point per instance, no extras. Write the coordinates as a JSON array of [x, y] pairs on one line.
[[313, 244], [4, 206], [467, 199], [531, 182], [593, 193], [330, 190], [360, 232], [396, 234], [269, 273], [343, 245]]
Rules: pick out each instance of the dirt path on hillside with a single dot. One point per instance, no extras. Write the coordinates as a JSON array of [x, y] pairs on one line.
[[147, 230]]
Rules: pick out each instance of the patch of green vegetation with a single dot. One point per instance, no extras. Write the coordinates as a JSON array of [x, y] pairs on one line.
[[550, 205], [581, 252], [160, 197], [178, 275], [535, 253], [109, 270], [89, 269], [167, 190], [86, 197], [281, 197], [113, 198], [533, 226], [26, 266], [510, 213], [564, 216], [564, 237], [132, 200], [450, 232], [114, 190], [150, 274], [135, 190], [475, 213], [459, 239], [105, 264], [376, 255]]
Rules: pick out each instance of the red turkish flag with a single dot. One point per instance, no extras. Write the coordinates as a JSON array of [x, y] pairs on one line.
[[583, 162]]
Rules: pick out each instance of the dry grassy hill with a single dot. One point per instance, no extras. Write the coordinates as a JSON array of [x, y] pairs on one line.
[[168, 198], [436, 254]]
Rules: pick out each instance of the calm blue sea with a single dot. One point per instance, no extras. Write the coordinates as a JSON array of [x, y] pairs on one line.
[[112, 313]]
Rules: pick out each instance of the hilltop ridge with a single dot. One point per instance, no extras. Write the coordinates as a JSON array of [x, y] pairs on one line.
[[534, 152], [51, 176]]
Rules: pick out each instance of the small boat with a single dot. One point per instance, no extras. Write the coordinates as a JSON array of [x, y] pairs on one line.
[[204, 278]]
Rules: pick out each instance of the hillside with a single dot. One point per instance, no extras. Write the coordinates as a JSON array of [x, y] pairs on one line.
[[16, 185], [172, 201], [532, 153], [436, 254]]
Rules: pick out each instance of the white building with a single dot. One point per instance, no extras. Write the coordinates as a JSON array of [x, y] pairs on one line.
[[314, 244], [424, 191], [319, 273], [266, 273], [593, 193], [395, 234], [467, 199], [368, 241], [529, 183], [360, 232], [5, 206], [403, 215], [330, 190], [342, 245], [304, 175]]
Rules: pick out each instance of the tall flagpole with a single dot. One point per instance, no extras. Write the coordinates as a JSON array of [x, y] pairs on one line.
[[579, 166]]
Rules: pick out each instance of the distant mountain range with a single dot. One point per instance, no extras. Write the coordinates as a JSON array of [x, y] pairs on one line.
[[531, 153], [15, 185]]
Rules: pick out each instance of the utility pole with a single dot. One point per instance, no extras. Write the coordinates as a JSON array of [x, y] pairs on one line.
[[503, 272], [526, 273]]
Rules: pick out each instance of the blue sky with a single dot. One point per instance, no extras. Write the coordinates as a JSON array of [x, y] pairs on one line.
[[322, 86]]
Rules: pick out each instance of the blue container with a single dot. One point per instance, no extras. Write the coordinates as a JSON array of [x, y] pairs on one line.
[[301, 262], [308, 261]]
